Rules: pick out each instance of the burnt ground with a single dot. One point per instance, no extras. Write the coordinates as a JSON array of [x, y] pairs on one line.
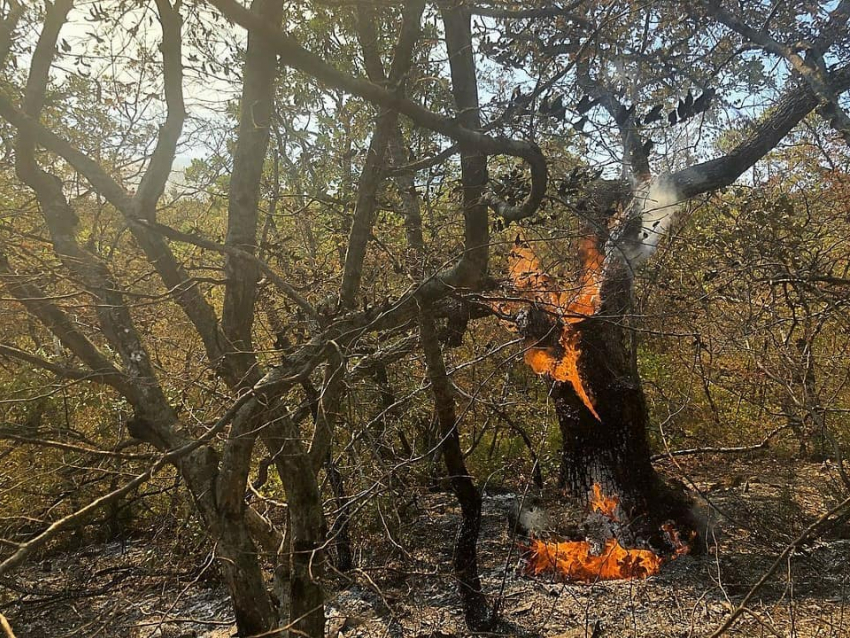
[[757, 508]]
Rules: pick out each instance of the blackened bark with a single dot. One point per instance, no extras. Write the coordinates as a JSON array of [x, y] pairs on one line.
[[614, 451], [388, 416], [465, 561]]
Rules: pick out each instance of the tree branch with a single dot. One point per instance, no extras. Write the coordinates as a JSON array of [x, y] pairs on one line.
[[200, 242], [77, 374], [765, 443], [240, 293], [472, 267], [113, 315], [373, 172], [35, 301], [153, 181], [810, 68], [723, 171], [566, 12], [7, 27], [177, 282], [6, 627], [297, 57], [807, 535]]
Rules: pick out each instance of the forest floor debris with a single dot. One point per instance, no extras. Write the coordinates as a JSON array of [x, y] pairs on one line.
[[115, 589]]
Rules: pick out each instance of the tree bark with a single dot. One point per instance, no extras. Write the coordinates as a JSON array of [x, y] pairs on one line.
[[307, 527], [613, 451], [465, 560]]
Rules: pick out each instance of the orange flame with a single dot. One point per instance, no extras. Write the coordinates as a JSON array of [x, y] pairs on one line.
[[680, 547], [575, 560], [570, 306], [605, 505]]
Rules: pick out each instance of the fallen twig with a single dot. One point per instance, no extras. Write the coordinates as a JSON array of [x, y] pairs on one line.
[[723, 450], [7, 628]]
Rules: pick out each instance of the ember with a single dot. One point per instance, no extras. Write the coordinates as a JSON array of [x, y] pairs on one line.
[[569, 306], [680, 547]]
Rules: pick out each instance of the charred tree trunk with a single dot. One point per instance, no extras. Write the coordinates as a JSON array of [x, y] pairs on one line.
[[613, 451], [610, 448]]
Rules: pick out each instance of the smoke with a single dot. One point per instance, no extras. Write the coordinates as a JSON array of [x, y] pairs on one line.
[[647, 218]]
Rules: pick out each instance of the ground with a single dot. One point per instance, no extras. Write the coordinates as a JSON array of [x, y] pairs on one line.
[[759, 506]]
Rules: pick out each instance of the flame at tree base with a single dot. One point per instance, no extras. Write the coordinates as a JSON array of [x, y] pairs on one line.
[[575, 560]]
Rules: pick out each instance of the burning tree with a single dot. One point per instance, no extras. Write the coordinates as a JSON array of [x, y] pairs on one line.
[[630, 78]]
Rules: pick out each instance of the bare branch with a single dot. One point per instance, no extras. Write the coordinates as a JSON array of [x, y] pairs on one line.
[[69, 447], [328, 407], [200, 242], [174, 276], [808, 534], [636, 160], [472, 267], [76, 374], [35, 301], [274, 382], [763, 444], [6, 627], [113, 315]]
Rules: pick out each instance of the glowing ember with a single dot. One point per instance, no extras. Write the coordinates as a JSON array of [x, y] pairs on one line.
[[575, 560], [569, 306], [605, 505], [680, 547]]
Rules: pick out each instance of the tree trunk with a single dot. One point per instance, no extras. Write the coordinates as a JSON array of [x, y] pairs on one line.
[[339, 534], [234, 547], [465, 561], [307, 528], [613, 451]]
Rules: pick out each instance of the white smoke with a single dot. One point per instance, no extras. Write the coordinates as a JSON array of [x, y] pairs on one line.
[[648, 217]]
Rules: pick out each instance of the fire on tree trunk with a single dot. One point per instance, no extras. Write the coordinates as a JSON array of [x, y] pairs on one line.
[[613, 451], [578, 338]]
